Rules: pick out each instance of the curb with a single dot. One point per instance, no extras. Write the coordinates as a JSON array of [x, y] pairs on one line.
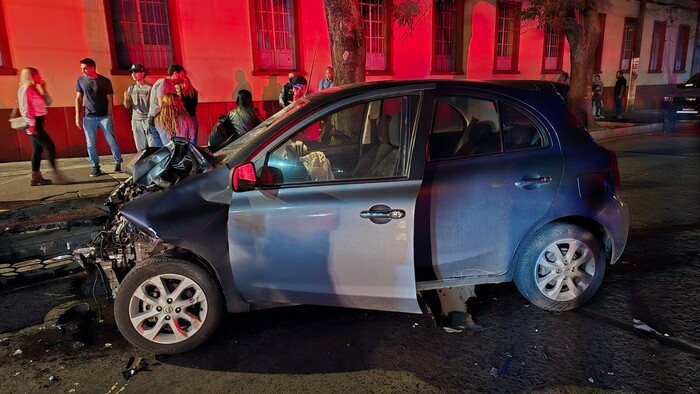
[[625, 131]]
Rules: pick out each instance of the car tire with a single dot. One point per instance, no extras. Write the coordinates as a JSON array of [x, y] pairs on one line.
[[551, 277], [669, 125], [154, 313]]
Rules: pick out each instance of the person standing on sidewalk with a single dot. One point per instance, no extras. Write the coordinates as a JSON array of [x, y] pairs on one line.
[[619, 92], [137, 98], [33, 99], [326, 82], [597, 88], [95, 95], [163, 86], [190, 98], [173, 119]]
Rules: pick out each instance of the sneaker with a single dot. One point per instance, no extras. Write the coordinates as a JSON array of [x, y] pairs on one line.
[[118, 167], [96, 172]]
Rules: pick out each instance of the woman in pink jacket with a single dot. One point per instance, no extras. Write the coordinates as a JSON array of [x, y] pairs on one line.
[[32, 97]]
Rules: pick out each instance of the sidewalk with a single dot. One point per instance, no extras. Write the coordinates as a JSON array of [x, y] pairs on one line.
[[39, 226]]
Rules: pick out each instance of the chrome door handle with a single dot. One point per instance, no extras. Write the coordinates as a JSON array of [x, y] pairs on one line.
[[382, 214], [387, 214], [533, 182]]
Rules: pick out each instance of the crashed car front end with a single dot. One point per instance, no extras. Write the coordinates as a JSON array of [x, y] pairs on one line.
[[143, 204]]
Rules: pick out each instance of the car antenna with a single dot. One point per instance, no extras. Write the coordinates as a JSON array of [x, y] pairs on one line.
[[313, 60]]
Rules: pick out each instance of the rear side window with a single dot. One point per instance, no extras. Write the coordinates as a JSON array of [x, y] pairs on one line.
[[464, 126], [519, 130]]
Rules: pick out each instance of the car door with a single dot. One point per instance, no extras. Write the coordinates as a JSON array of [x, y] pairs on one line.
[[323, 234], [493, 172]]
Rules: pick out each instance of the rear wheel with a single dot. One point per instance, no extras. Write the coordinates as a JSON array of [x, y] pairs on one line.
[[166, 305], [561, 268]]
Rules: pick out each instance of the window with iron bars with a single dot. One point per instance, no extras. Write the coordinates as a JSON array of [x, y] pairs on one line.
[[628, 39], [447, 36], [681, 48], [374, 16], [553, 48], [507, 37], [658, 39], [274, 32], [142, 33]]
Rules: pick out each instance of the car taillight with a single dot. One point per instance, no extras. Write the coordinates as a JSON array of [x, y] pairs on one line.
[[615, 168]]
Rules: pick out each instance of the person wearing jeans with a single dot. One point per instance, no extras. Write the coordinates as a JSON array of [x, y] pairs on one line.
[[95, 95]]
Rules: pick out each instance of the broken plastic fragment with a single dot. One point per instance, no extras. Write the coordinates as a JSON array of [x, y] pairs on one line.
[[17, 352]]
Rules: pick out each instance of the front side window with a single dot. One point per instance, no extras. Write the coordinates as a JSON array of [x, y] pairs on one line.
[[365, 141], [375, 18], [681, 48], [628, 38], [553, 49], [274, 35], [507, 37], [658, 39], [142, 33], [447, 36]]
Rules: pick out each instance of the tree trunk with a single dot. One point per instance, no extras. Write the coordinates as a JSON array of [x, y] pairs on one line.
[[582, 30], [346, 33]]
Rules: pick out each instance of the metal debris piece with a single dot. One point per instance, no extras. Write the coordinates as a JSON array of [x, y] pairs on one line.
[[133, 366]]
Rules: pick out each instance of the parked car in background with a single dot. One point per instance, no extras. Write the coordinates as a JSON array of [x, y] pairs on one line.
[[362, 196], [682, 105]]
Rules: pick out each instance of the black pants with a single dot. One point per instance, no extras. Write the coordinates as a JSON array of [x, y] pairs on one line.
[[41, 141]]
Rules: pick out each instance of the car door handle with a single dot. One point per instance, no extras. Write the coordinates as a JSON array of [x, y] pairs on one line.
[[382, 214], [533, 182], [388, 214]]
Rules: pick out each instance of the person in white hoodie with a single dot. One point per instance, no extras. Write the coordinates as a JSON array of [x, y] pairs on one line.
[[32, 98]]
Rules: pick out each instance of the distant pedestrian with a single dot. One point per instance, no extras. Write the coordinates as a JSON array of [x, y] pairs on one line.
[[95, 95], [564, 78], [619, 92], [137, 99], [287, 93], [245, 116], [33, 98], [190, 98], [173, 120], [327, 82], [161, 87], [597, 89]]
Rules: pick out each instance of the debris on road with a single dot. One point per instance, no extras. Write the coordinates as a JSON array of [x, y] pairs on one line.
[[17, 352], [133, 366]]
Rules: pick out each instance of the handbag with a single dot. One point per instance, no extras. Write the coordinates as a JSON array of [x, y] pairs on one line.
[[18, 123]]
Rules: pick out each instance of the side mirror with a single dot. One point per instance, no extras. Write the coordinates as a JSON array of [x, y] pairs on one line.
[[243, 178]]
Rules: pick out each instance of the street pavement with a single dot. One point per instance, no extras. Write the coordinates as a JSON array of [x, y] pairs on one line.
[[39, 226]]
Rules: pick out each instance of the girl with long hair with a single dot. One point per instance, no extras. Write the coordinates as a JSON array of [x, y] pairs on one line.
[[32, 97], [190, 98], [173, 119]]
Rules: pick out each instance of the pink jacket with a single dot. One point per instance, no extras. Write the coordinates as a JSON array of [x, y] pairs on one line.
[[31, 105]]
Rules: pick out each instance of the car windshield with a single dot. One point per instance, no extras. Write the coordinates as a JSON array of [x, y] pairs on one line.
[[243, 140]]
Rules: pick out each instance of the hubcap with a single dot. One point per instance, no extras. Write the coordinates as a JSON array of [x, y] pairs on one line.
[[168, 308], [565, 269]]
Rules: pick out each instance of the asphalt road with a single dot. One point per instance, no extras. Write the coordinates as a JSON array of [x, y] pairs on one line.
[[312, 349]]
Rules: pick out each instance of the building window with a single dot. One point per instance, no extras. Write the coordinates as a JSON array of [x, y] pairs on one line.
[[628, 39], [5, 59], [658, 38], [374, 15], [553, 50], [507, 37], [275, 35], [681, 48], [599, 50], [447, 32], [142, 33]]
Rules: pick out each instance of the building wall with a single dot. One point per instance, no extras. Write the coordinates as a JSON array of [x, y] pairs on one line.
[[216, 42]]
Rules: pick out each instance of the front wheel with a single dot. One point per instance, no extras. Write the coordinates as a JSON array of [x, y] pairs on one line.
[[167, 305], [561, 268]]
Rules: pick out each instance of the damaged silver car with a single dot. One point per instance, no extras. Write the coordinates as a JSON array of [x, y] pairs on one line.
[[363, 196]]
